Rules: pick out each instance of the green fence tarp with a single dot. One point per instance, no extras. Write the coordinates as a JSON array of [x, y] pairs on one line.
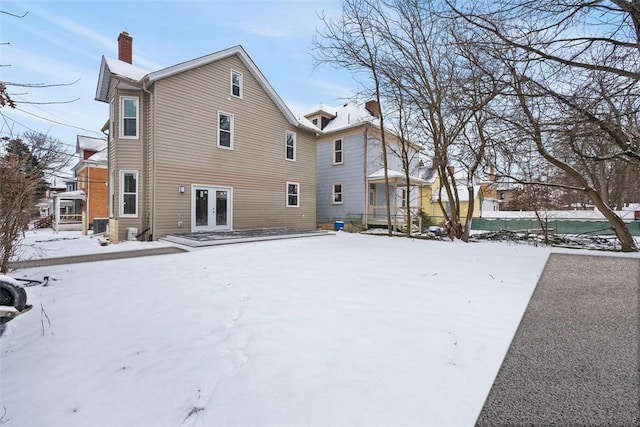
[[558, 226]]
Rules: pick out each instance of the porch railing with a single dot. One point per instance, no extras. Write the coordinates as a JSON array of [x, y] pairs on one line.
[[398, 218]]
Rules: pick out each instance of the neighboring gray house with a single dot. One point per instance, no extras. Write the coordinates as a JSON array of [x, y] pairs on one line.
[[350, 173]]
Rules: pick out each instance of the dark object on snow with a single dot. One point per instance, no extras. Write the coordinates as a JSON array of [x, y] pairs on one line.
[[14, 296], [437, 231]]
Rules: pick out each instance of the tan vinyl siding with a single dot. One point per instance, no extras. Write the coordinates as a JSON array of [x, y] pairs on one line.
[[186, 152], [128, 155]]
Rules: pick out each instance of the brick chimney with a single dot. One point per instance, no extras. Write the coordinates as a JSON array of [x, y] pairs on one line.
[[373, 108], [125, 47]]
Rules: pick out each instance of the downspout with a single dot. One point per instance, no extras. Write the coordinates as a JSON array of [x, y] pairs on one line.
[[365, 207], [88, 194], [152, 196]]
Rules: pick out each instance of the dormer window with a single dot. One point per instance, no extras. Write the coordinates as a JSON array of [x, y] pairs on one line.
[[236, 84]]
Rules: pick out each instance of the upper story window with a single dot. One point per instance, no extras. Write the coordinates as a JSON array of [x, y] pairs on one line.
[[293, 194], [129, 193], [337, 152], [225, 130], [337, 193], [236, 84], [290, 145], [129, 117]]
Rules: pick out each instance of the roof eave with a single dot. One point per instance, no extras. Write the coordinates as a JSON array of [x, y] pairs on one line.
[[102, 90]]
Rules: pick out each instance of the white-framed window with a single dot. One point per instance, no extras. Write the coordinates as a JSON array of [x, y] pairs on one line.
[[403, 197], [225, 130], [293, 194], [337, 191], [372, 194], [236, 84], [337, 152], [129, 117], [129, 194], [290, 145]]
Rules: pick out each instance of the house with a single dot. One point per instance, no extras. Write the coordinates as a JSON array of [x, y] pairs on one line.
[[506, 191], [490, 197], [350, 169], [91, 176], [203, 145], [432, 191]]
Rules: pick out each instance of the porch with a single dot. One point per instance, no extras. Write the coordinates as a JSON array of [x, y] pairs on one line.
[[68, 207], [404, 204]]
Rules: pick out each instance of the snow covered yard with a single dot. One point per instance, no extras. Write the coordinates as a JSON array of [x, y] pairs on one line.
[[45, 243], [337, 330]]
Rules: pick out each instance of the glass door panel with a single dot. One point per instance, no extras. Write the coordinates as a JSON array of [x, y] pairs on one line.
[[202, 207], [221, 208]]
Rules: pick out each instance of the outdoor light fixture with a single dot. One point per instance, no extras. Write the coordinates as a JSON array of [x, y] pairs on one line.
[[181, 188]]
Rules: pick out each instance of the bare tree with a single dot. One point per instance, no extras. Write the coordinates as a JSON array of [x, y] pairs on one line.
[[23, 165], [574, 76], [408, 146], [541, 130], [352, 42], [417, 59]]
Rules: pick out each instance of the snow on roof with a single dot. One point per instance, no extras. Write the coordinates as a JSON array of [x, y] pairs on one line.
[[463, 193], [90, 143], [392, 174], [124, 69], [100, 156], [77, 194], [349, 115], [306, 123], [110, 67], [57, 182], [322, 108]]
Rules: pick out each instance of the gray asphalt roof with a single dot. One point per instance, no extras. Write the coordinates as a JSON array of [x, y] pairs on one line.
[[574, 360]]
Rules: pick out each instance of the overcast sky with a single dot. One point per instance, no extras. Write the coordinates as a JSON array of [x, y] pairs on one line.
[[60, 42]]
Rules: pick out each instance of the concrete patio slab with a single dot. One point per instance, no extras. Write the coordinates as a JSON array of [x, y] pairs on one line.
[[202, 239]]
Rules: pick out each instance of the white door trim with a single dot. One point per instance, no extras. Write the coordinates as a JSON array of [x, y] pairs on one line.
[[211, 214]]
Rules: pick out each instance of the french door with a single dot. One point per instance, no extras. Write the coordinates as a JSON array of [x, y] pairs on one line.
[[210, 208]]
